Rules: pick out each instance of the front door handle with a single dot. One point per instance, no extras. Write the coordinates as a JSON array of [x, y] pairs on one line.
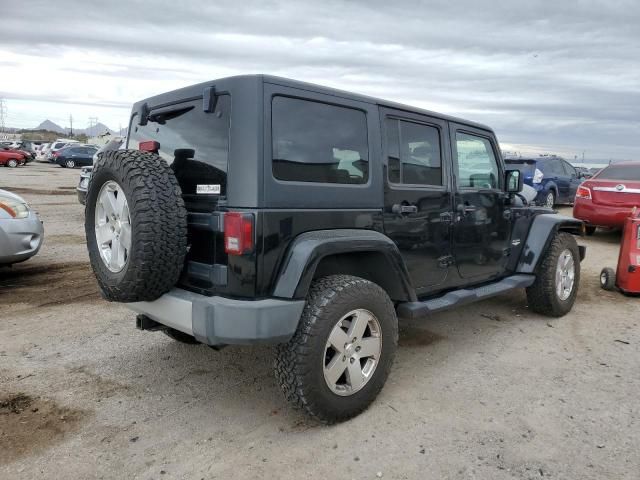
[[404, 209]]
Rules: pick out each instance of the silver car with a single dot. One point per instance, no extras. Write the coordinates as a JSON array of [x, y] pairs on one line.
[[21, 230]]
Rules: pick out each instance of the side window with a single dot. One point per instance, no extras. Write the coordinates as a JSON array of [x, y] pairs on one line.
[[476, 163], [318, 142], [571, 171], [413, 153], [555, 167]]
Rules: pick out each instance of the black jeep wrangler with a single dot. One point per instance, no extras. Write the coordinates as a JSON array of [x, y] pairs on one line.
[[256, 209]]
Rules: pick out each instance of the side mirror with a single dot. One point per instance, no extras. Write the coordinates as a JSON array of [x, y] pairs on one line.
[[513, 181]]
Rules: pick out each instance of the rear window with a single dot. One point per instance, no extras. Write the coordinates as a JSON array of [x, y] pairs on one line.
[[527, 168], [318, 142], [195, 143], [620, 172]]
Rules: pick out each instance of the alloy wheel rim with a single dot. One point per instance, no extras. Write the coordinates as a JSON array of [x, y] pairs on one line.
[[113, 226], [550, 200], [352, 352], [565, 275]]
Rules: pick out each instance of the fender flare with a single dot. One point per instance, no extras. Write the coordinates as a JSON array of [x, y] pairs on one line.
[[308, 249], [543, 228]]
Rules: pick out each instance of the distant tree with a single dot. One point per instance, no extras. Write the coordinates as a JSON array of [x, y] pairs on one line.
[[82, 138]]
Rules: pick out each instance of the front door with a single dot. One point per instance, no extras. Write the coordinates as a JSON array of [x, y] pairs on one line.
[[418, 208], [482, 226]]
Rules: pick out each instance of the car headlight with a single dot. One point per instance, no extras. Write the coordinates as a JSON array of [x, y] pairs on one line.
[[14, 207]]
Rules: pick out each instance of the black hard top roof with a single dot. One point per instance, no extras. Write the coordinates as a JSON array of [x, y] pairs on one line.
[[195, 91]]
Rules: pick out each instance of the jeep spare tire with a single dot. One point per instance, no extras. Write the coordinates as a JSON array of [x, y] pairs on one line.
[[136, 225]]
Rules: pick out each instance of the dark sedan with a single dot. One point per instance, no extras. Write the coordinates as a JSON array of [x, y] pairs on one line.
[[75, 156]]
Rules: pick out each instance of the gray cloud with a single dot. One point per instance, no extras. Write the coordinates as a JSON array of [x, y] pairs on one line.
[[564, 75]]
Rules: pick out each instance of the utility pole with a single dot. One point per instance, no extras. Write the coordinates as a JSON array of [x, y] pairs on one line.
[[3, 114], [70, 125]]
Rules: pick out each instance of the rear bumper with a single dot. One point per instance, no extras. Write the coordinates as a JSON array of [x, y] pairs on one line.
[[221, 321], [600, 215]]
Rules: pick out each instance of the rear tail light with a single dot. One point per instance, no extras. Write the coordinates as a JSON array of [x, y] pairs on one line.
[[538, 176], [149, 146], [238, 233], [584, 193], [56, 153]]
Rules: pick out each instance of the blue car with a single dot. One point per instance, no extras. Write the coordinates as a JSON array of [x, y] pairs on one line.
[[555, 179]]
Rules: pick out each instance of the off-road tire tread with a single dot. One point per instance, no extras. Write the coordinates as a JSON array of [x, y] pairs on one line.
[[541, 296], [158, 225], [293, 359]]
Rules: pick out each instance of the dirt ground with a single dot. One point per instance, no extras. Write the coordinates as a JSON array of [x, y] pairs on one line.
[[489, 391]]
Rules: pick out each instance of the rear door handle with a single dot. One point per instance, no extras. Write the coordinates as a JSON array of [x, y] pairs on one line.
[[404, 209]]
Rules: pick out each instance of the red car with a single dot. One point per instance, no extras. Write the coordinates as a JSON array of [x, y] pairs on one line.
[[607, 198], [11, 158]]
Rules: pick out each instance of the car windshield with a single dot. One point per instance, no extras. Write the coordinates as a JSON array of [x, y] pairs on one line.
[[620, 172]]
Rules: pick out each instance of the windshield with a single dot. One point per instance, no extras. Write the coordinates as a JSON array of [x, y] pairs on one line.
[[195, 143], [620, 172]]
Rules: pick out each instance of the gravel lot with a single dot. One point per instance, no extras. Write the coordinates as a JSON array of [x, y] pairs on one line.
[[490, 391]]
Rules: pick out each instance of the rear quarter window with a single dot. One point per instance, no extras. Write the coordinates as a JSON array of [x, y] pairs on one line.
[[318, 142]]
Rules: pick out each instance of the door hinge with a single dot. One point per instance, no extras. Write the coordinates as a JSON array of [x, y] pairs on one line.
[[506, 252], [445, 262], [506, 214]]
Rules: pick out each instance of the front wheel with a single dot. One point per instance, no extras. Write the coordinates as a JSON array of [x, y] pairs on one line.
[[340, 356], [557, 278], [12, 163]]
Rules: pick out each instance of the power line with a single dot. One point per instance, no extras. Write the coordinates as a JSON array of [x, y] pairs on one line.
[[70, 125]]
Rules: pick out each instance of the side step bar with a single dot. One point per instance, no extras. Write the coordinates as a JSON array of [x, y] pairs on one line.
[[462, 297]]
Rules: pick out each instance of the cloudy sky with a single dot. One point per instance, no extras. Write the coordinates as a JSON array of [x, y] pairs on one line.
[[561, 77]]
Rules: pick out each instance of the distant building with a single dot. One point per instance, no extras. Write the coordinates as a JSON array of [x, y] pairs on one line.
[[10, 136]]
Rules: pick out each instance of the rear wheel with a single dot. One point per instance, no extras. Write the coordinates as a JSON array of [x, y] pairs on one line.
[[339, 358], [70, 164], [608, 279], [550, 199], [590, 230], [557, 278]]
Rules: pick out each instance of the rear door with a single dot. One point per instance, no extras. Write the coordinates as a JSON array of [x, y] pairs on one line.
[[482, 225], [417, 200]]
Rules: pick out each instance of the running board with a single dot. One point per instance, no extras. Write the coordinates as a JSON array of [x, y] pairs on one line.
[[462, 297]]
